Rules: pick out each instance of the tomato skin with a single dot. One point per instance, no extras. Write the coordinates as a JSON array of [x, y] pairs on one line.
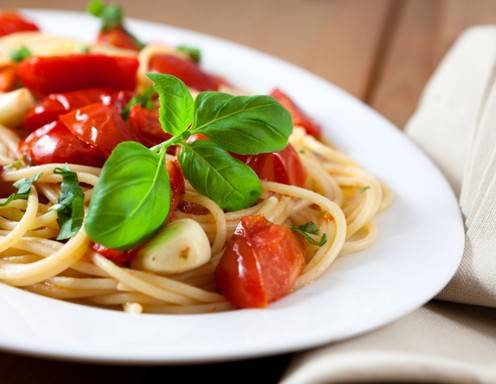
[[299, 117], [8, 78], [116, 255], [186, 70], [54, 143], [176, 180], [118, 37], [11, 22], [55, 74], [260, 264], [52, 106], [282, 167], [145, 125], [99, 126]]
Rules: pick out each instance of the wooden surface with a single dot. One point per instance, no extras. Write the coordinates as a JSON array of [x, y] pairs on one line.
[[381, 51]]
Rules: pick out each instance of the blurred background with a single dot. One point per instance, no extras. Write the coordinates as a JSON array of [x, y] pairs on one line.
[[382, 51]]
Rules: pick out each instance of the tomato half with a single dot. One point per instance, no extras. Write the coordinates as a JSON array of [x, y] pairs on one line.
[[45, 75], [260, 264], [52, 106], [118, 37], [54, 143], [282, 167], [8, 78], [187, 70], [98, 125], [145, 125], [11, 22], [300, 118], [176, 180], [116, 255]]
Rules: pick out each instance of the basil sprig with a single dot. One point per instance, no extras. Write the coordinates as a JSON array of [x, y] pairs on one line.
[[308, 231], [70, 206], [23, 187], [132, 197]]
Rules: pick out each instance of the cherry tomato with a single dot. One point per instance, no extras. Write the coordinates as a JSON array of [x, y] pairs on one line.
[[54, 143], [45, 75], [187, 70], [11, 22], [116, 255], [176, 180], [260, 263], [299, 117], [52, 106], [8, 78], [98, 125], [118, 37], [145, 125], [282, 167]]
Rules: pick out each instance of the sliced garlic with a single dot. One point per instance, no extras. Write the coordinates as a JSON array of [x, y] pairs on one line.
[[178, 247], [14, 105]]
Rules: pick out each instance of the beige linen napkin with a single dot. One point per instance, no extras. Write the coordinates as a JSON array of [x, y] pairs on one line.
[[455, 124]]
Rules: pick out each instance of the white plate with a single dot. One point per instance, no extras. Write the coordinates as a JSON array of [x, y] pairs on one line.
[[419, 247]]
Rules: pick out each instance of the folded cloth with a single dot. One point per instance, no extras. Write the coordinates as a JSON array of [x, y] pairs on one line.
[[441, 342]]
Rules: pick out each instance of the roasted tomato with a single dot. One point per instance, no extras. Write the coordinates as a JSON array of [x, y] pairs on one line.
[[116, 255], [98, 125], [299, 117], [176, 180], [11, 22], [52, 106], [118, 37], [283, 166], [187, 70], [260, 264], [45, 75], [54, 143], [8, 78], [145, 125]]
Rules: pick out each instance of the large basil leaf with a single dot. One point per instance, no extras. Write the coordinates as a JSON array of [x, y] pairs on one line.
[[216, 174], [176, 103], [242, 124], [132, 198]]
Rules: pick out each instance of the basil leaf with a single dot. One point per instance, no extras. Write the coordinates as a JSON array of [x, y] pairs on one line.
[[176, 103], [144, 99], [23, 187], [193, 52], [111, 14], [70, 206], [19, 54], [307, 229], [242, 124], [132, 198], [215, 173]]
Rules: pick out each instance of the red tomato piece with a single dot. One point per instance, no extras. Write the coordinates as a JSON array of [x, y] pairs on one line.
[[145, 125], [98, 125], [52, 106], [45, 75], [54, 143], [118, 37], [116, 255], [176, 180], [260, 263], [282, 167], [11, 22], [8, 78], [187, 70], [299, 117]]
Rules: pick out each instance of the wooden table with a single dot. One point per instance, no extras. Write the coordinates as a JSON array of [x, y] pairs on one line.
[[381, 51]]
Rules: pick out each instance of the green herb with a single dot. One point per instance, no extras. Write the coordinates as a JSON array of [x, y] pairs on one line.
[[176, 103], [70, 206], [19, 54], [193, 52], [206, 165], [309, 231], [16, 164], [144, 99], [364, 189], [83, 48], [131, 200], [110, 14], [132, 197], [23, 187]]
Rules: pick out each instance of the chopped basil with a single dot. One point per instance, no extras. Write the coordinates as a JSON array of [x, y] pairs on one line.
[[309, 231]]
